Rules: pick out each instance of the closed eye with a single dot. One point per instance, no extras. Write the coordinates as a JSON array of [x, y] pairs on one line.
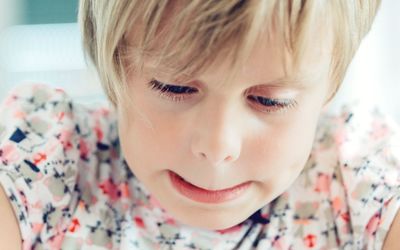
[[175, 89], [172, 92], [179, 93], [271, 104], [268, 102]]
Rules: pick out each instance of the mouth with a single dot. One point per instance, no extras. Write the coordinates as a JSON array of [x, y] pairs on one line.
[[202, 195]]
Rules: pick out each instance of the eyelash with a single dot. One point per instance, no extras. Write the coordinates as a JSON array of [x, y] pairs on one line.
[[180, 93], [172, 92], [277, 105]]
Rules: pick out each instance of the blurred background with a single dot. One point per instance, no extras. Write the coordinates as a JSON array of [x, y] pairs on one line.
[[40, 42]]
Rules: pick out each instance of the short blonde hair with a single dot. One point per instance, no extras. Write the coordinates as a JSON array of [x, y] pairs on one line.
[[205, 30]]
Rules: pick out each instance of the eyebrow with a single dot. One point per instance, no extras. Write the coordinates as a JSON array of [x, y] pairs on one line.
[[298, 82]]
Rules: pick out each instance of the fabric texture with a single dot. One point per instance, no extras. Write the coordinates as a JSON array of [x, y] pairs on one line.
[[70, 188]]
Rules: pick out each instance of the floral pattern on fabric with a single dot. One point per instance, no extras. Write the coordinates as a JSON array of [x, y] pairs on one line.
[[70, 188]]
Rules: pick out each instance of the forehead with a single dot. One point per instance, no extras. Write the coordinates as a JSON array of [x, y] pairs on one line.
[[269, 63]]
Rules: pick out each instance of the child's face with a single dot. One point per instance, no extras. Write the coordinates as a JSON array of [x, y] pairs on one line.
[[220, 136]]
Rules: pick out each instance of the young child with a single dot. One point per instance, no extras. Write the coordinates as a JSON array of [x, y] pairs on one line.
[[218, 136]]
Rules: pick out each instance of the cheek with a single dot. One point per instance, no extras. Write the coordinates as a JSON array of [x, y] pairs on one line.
[[146, 141], [284, 146]]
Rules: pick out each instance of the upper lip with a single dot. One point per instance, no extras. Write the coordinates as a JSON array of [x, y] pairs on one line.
[[210, 188]]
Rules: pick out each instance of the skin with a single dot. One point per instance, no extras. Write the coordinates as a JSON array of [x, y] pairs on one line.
[[392, 241], [217, 138], [232, 142]]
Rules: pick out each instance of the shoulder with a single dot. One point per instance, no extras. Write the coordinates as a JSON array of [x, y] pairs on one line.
[[367, 146], [45, 137], [37, 116], [365, 141], [38, 110], [38, 123]]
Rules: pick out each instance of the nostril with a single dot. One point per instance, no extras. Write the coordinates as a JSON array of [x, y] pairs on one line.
[[214, 161]]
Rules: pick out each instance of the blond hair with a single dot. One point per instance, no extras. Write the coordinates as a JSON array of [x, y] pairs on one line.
[[205, 30]]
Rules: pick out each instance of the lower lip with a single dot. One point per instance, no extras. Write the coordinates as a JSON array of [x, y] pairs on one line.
[[206, 196]]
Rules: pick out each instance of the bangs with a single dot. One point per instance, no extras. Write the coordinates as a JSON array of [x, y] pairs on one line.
[[185, 38], [193, 38]]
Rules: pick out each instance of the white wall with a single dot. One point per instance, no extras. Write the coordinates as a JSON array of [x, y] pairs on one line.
[[50, 54], [374, 74]]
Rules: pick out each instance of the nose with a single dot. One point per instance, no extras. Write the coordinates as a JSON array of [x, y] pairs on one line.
[[216, 137]]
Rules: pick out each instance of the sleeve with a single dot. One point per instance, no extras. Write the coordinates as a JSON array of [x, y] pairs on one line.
[[370, 166], [38, 162]]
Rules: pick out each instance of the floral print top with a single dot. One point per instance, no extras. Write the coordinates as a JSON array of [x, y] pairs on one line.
[[70, 188]]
